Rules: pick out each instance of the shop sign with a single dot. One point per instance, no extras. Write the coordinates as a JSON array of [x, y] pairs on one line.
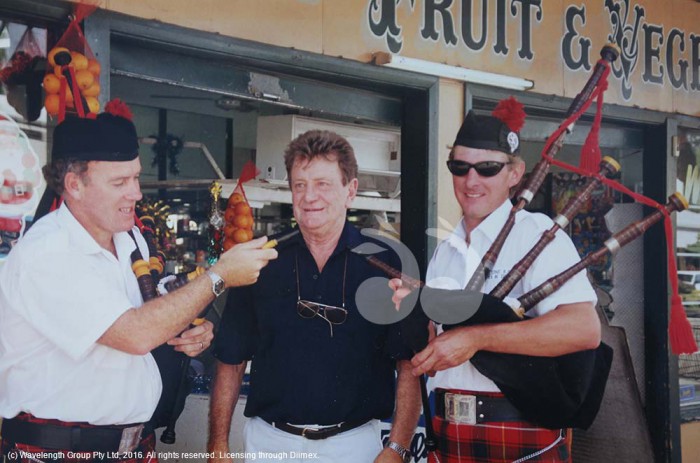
[[538, 40], [687, 392]]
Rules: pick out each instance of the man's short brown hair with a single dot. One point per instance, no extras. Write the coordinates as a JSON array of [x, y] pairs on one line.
[[55, 172], [322, 143]]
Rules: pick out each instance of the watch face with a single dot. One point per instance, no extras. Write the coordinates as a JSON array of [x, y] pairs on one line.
[[219, 287]]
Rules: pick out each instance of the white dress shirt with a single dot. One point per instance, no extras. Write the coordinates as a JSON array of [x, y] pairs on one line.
[[59, 292], [455, 260]]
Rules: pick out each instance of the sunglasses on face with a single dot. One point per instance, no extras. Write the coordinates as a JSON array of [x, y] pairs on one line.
[[483, 168]]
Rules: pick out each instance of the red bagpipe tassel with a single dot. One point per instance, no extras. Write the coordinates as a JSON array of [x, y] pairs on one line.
[[680, 332], [590, 152]]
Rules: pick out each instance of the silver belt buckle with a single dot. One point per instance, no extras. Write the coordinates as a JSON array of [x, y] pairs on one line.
[[460, 408], [130, 438]]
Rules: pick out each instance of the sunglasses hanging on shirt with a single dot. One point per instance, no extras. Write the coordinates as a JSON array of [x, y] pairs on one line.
[[331, 314]]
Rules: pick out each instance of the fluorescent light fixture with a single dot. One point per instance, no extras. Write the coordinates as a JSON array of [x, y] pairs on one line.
[[450, 72]]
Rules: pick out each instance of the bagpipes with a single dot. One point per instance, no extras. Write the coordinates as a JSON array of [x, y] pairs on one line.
[[173, 365], [554, 392]]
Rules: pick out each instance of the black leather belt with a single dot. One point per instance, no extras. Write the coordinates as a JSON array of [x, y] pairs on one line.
[[73, 438], [316, 434], [466, 408]]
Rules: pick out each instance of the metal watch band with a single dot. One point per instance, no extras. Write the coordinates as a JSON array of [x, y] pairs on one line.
[[401, 450]]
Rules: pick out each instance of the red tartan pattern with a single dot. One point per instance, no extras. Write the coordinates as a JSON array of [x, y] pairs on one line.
[[144, 453], [498, 442]]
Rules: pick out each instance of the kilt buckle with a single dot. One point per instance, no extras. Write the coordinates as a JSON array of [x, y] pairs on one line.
[[131, 437], [460, 408]]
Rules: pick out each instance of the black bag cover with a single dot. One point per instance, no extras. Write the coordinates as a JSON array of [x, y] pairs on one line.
[[170, 363], [444, 306], [553, 392]]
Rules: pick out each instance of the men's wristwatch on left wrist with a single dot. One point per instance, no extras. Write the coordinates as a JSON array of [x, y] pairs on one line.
[[403, 452], [218, 285]]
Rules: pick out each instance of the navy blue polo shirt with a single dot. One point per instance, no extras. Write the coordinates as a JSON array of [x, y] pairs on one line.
[[299, 373]]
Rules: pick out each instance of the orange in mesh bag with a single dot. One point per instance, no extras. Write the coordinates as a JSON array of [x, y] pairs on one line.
[[72, 80], [238, 216]]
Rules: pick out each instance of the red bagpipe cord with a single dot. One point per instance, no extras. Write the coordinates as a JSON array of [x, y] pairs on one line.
[[680, 332]]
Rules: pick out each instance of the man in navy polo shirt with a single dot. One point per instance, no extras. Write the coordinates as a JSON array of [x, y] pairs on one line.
[[321, 374]]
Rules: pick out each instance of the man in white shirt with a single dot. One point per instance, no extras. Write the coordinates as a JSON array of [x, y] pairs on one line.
[[485, 167], [75, 333]]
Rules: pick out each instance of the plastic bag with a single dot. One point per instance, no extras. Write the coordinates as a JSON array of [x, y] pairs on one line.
[[239, 216], [73, 74], [22, 76]]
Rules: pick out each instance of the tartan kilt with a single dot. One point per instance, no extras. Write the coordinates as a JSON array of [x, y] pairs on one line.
[[144, 453], [497, 442]]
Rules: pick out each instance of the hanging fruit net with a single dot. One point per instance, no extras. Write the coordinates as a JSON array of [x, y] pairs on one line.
[[72, 80], [238, 216]]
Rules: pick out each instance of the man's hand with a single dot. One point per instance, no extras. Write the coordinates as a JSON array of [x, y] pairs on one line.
[[388, 456], [400, 292], [447, 350], [194, 341], [241, 265]]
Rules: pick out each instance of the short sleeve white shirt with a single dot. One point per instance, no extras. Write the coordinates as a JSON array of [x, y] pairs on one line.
[[59, 292], [455, 260]]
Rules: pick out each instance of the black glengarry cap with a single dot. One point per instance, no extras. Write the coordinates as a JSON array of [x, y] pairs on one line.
[[499, 131], [111, 136]]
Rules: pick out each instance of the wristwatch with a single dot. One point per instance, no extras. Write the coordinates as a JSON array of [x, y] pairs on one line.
[[217, 283], [403, 452]]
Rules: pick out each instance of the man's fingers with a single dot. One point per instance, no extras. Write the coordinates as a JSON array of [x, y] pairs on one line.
[[425, 367], [253, 244], [198, 330], [397, 302]]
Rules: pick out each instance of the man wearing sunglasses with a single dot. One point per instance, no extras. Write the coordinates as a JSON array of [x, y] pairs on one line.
[[485, 167], [321, 374]]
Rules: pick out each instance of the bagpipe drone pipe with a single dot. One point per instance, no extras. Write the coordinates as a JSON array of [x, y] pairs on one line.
[[173, 365]]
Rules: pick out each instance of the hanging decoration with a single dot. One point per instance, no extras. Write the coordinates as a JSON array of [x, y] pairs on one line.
[[167, 147], [216, 224]]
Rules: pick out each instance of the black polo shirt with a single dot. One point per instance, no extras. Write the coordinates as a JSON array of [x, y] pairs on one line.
[[299, 373]]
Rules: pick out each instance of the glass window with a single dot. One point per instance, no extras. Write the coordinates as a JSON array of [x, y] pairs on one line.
[[22, 128]]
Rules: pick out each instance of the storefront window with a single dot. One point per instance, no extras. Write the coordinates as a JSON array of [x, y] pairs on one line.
[[688, 254], [191, 137]]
